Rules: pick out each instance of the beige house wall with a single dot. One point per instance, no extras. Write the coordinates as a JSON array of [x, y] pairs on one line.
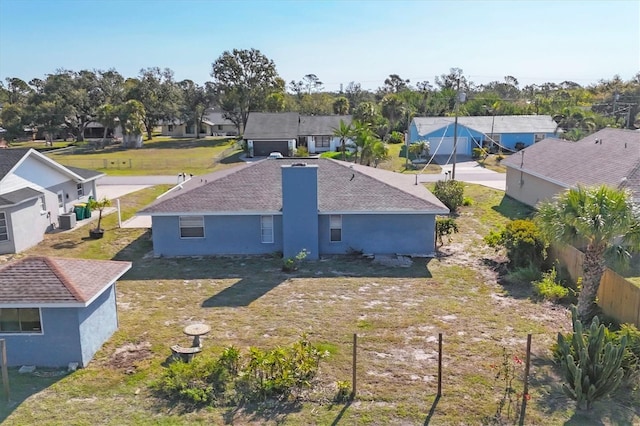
[[530, 189]]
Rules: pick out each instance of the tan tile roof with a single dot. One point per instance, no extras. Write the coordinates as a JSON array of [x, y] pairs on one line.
[[614, 160], [47, 280], [257, 188]]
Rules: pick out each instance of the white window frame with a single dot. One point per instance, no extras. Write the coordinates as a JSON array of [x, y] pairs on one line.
[[4, 235], [335, 224], [537, 137], [20, 332], [266, 229], [190, 222], [43, 204], [80, 188]]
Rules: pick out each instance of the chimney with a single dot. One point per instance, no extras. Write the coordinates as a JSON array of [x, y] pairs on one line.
[[300, 210]]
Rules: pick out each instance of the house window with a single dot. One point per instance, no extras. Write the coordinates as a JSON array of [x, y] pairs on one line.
[[219, 126], [43, 204], [537, 137], [335, 226], [266, 229], [80, 190], [189, 128], [4, 231], [323, 141], [191, 227], [20, 320], [170, 127]]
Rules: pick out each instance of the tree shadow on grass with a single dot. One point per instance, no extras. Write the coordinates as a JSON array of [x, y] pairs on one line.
[[23, 386], [513, 209]]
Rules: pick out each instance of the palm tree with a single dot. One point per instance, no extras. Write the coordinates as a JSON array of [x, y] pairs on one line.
[[603, 219], [363, 134], [344, 132], [107, 116]]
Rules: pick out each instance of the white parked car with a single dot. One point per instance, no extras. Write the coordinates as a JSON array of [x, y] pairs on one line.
[[275, 155]]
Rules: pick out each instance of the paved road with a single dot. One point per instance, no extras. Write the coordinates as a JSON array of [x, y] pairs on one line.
[[139, 180]]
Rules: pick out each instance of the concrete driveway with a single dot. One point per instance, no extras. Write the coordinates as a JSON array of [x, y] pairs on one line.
[[469, 171]]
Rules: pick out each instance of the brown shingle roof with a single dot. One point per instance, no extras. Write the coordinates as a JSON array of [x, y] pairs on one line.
[[613, 161], [46, 280], [257, 188]]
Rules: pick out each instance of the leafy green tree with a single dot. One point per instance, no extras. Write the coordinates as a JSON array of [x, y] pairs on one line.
[[107, 115], [276, 102], [243, 79], [131, 115], [195, 102], [345, 132], [367, 112], [17, 91], [394, 84], [12, 121], [600, 218], [393, 108], [341, 105], [156, 90]]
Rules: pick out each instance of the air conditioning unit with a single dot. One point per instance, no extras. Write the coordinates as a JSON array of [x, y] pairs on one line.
[[67, 221]]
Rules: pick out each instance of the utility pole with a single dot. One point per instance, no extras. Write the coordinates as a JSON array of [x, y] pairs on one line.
[[455, 131]]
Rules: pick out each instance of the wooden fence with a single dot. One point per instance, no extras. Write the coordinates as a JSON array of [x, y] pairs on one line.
[[617, 296]]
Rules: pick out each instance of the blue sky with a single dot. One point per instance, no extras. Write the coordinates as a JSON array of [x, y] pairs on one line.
[[339, 41]]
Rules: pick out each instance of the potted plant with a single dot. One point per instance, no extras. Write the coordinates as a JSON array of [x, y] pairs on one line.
[[100, 205]]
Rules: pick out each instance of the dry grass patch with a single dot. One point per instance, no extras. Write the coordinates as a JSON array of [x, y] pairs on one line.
[[397, 313]]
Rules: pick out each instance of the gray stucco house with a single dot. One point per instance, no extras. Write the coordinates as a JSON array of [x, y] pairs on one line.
[[510, 132], [608, 157], [286, 205], [54, 311], [285, 132], [34, 192]]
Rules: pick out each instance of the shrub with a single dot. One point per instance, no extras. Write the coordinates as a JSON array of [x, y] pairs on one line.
[[302, 151], [445, 226], [523, 242], [591, 365], [232, 378], [396, 137], [291, 264], [477, 153], [549, 288], [450, 192], [525, 274], [467, 201]]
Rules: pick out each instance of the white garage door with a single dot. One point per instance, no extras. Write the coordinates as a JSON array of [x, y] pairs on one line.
[[446, 146]]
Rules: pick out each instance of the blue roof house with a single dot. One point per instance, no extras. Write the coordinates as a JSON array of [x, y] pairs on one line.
[[56, 311], [320, 205], [509, 132]]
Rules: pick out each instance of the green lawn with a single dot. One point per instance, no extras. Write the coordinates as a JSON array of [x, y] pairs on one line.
[[158, 156], [249, 301], [398, 163]]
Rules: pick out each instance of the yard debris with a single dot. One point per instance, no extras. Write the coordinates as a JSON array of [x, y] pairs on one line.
[[25, 369]]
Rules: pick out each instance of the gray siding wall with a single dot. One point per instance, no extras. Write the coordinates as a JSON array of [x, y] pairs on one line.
[[529, 189], [223, 235], [56, 347], [381, 234], [27, 226], [98, 322]]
